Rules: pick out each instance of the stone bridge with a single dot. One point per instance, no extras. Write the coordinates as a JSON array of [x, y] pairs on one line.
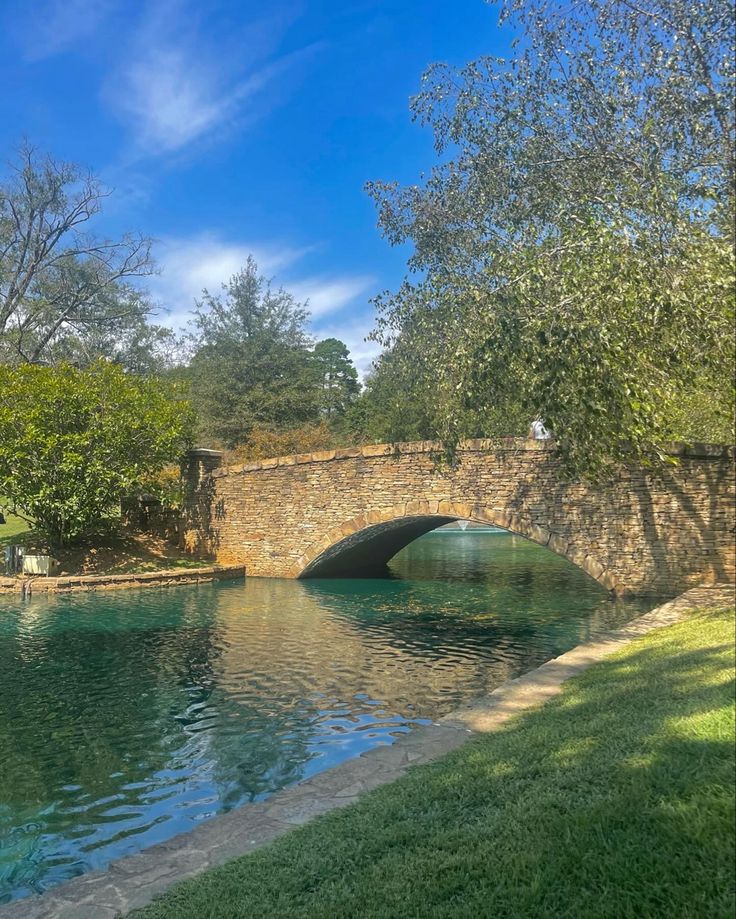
[[347, 512]]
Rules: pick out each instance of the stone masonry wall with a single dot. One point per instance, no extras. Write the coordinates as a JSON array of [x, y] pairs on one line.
[[646, 532]]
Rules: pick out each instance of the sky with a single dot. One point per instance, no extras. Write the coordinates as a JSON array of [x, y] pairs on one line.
[[232, 127]]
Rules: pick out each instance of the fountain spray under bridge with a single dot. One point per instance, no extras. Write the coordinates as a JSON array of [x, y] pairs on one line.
[[347, 512]]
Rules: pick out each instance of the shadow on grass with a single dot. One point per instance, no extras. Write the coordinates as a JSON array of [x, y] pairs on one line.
[[614, 800], [109, 548]]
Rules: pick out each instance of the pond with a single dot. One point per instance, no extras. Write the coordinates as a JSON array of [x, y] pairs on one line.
[[127, 717]]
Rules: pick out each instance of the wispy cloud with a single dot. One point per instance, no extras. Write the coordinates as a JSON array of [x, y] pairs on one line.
[[338, 304], [48, 27], [170, 100], [177, 72], [180, 81], [329, 294]]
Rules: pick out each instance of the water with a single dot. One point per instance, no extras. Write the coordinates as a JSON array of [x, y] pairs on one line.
[[126, 718]]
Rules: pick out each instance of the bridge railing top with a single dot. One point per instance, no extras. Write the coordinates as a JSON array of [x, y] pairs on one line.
[[502, 444]]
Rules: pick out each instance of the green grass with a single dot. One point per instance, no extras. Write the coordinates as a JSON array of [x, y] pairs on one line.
[[13, 530], [614, 800]]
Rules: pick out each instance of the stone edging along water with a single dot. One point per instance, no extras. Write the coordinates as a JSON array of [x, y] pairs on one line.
[[165, 578], [134, 881]]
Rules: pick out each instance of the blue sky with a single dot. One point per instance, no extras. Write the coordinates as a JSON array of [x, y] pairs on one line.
[[235, 127]]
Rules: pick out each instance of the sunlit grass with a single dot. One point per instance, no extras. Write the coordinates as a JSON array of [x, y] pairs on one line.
[[14, 530], [614, 800]]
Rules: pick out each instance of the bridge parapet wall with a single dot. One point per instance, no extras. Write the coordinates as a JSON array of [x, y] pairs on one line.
[[645, 532]]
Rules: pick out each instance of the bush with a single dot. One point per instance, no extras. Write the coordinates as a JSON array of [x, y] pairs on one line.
[[263, 443], [72, 441]]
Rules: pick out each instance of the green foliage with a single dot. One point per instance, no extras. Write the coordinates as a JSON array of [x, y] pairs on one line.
[[73, 441], [395, 405], [337, 377], [574, 248], [129, 340], [704, 412], [254, 366], [251, 363], [403, 400], [165, 482]]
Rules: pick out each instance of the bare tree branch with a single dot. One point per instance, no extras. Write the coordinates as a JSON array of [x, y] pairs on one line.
[[52, 270]]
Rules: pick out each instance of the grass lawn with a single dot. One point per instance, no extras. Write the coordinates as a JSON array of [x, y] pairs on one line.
[[13, 530], [614, 800]]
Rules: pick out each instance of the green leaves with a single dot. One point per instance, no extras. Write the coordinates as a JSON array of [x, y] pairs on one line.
[[73, 441], [336, 377], [573, 251], [254, 367]]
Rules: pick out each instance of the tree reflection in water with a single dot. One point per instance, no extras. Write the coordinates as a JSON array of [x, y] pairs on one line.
[[126, 718]]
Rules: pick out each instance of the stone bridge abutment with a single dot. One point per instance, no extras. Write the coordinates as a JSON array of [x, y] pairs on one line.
[[347, 512]]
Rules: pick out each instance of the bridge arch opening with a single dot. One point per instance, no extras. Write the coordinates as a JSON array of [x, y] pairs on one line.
[[363, 547], [367, 552]]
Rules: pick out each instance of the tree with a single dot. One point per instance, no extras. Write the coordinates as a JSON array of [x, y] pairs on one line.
[[252, 364], [338, 378], [403, 398], [73, 441], [132, 342], [396, 403], [56, 277], [574, 248]]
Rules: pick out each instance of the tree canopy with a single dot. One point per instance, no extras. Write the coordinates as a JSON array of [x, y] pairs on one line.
[[337, 378], [254, 366], [73, 441], [573, 247]]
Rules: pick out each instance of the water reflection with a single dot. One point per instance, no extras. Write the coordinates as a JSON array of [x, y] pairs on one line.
[[126, 718]]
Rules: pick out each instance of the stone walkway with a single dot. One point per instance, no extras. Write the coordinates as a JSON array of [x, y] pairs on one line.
[[134, 881]]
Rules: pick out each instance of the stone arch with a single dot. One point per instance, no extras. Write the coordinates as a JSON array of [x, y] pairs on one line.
[[389, 529]]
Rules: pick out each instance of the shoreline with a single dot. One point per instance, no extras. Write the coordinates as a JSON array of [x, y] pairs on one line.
[[171, 577], [132, 882]]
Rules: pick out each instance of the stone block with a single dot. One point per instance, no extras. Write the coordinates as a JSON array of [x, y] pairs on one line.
[[558, 544], [376, 450], [538, 534], [594, 567]]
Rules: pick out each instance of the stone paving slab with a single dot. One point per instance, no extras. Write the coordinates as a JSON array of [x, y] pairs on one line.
[[134, 881]]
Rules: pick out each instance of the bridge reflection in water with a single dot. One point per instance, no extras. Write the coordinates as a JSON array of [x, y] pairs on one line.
[[126, 718]]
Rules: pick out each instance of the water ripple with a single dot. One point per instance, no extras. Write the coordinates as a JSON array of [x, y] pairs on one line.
[[128, 718]]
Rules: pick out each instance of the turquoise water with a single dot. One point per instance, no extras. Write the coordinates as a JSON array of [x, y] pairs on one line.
[[128, 717]]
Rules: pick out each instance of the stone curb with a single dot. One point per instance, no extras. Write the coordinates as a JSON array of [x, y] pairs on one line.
[[168, 578], [133, 882]]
